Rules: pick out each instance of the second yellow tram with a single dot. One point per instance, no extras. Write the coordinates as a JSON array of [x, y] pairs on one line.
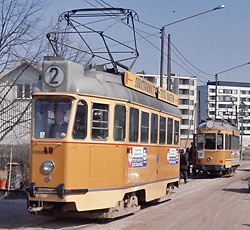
[[217, 147]]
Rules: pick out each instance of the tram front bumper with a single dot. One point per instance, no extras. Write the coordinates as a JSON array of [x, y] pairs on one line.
[[59, 190], [211, 168]]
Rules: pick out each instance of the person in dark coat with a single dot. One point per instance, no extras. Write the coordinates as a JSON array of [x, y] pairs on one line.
[[183, 165], [189, 160]]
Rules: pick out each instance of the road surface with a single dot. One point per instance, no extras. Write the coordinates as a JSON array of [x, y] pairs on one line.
[[211, 203]]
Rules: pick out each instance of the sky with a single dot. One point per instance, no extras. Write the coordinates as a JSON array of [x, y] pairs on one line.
[[202, 46]]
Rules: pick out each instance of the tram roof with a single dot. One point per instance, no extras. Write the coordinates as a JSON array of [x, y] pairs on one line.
[[78, 80], [217, 124]]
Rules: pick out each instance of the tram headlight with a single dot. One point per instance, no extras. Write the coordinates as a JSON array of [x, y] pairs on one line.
[[48, 167]]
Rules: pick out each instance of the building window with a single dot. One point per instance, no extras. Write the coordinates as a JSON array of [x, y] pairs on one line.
[[243, 92], [184, 101], [184, 91], [23, 91], [211, 90], [27, 91], [192, 92], [19, 91], [212, 98]]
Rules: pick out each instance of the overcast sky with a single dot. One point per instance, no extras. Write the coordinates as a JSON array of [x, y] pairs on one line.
[[212, 42]]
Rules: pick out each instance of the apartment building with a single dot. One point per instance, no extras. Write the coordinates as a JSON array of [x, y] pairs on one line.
[[186, 88], [233, 102]]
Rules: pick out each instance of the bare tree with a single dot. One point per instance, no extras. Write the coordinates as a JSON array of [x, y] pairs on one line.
[[21, 36]]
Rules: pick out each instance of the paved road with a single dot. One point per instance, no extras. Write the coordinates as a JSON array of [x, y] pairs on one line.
[[212, 203]]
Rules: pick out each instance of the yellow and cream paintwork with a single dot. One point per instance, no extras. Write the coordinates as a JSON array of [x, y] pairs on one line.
[[223, 158], [100, 166]]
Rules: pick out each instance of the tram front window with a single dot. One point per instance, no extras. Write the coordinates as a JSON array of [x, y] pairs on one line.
[[51, 118], [200, 141], [209, 141]]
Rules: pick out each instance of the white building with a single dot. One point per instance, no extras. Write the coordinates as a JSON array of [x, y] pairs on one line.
[[16, 85], [186, 87], [233, 101]]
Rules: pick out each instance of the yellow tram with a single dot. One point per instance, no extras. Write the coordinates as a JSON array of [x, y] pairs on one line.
[[217, 147], [101, 143]]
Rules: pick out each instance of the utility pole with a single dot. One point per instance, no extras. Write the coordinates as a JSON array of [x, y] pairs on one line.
[[162, 55], [216, 86], [242, 105], [169, 65], [236, 108], [199, 108]]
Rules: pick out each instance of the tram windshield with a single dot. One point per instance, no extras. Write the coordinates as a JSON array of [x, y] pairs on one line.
[[206, 141], [51, 118]]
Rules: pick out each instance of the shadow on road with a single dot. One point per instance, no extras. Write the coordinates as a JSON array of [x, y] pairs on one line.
[[238, 190], [50, 223], [244, 170]]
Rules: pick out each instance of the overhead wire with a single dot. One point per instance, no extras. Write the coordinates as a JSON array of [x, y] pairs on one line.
[[187, 68], [209, 74]]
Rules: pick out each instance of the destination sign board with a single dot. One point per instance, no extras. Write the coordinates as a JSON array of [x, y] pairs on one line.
[[168, 96], [138, 83]]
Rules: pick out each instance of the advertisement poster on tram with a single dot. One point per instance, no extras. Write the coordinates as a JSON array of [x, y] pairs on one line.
[[172, 156], [137, 157]]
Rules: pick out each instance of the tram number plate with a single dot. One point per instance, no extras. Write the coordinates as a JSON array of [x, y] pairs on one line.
[[54, 76], [201, 154]]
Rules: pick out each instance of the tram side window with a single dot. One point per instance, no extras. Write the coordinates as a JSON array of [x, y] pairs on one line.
[[219, 141], [100, 114], [144, 127], [120, 123], [235, 142], [200, 141], [209, 141], [154, 128], [170, 131], [176, 132], [80, 126], [133, 124], [228, 141], [162, 130]]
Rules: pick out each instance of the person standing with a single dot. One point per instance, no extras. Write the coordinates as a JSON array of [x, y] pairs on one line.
[[189, 160], [183, 165]]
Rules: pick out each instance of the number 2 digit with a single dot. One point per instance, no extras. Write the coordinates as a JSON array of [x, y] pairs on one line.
[[55, 71]]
